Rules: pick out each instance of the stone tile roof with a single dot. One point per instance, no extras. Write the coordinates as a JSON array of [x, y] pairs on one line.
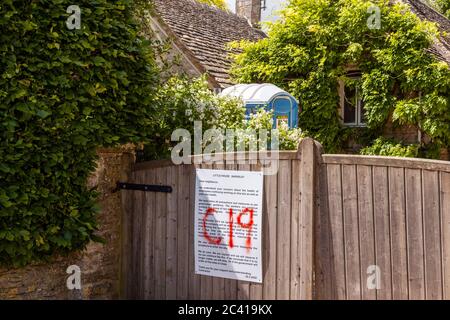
[[441, 47], [205, 31]]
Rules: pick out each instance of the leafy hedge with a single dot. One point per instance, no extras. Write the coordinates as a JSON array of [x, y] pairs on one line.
[[63, 93], [308, 50], [388, 147]]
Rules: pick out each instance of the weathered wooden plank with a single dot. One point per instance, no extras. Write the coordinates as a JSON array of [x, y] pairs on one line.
[[351, 232], [206, 282], [283, 231], [445, 216], [296, 245], [218, 283], [436, 165], [397, 208], [410, 163], [324, 274], [366, 228], [414, 222], [194, 279], [160, 237], [230, 285], [256, 289], [433, 271], [334, 177], [126, 274], [148, 236], [171, 235], [282, 155], [382, 231], [183, 242], [270, 237], [306, 216], [137, 232], [243, 287]]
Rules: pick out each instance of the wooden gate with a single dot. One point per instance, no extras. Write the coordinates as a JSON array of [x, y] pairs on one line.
[[158, 233], [330, 224]]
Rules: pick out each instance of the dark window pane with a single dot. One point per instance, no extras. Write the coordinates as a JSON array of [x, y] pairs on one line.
[[350, 105], [362, 114]]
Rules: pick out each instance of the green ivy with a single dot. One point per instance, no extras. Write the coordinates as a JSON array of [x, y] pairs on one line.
[[63, 93], [389, 147], [308, 50], [442, 6]]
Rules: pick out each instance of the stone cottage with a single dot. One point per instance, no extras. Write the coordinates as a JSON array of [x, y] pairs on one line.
[[199, 35], [351, 105]]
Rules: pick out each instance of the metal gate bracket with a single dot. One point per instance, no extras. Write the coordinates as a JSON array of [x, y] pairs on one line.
[[144, 187]]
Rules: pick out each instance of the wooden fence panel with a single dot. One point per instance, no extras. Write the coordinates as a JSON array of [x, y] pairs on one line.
[[401, 207]]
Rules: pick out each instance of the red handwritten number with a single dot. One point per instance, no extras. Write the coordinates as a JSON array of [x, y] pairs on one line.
[[210, 239], [230, 223], [249, 225]]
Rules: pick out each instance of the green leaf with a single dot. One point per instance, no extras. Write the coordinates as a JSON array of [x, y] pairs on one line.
[[43, 114]]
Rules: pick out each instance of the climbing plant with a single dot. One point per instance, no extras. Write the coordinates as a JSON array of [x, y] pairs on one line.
[[221, 4], [63, 93], [309, 49], [387, 147], [442, 6]]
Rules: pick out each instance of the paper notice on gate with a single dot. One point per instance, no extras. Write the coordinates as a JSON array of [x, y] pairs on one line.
[[228, 224]]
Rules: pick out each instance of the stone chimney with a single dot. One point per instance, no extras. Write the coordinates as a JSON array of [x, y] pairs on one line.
[[249, 9]]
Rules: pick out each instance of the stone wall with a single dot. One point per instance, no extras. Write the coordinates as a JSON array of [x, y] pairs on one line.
[[99, 263], [406, 134]]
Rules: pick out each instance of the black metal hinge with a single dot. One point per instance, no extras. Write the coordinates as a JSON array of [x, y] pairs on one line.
[[144, 187]]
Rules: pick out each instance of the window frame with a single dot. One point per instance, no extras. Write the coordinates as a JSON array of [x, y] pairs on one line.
[[358, 108]]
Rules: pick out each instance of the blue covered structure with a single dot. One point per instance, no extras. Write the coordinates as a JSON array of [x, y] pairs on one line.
[[270, 97]]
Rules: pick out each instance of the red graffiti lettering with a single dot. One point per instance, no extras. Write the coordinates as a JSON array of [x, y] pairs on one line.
[[230, 224], [210, 239], [248, 226]]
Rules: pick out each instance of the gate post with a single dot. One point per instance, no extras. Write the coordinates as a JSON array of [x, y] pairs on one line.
[[309, 152]]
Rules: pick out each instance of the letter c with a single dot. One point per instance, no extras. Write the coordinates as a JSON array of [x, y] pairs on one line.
[[210, 239]]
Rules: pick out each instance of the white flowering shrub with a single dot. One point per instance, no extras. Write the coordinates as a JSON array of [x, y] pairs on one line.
[[288, 138], [181, 102]]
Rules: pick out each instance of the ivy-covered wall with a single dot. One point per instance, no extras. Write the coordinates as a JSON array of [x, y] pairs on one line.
[[99, 263], [309, 49]]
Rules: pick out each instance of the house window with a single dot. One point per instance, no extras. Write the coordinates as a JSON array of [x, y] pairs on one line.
[[353, 112]]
